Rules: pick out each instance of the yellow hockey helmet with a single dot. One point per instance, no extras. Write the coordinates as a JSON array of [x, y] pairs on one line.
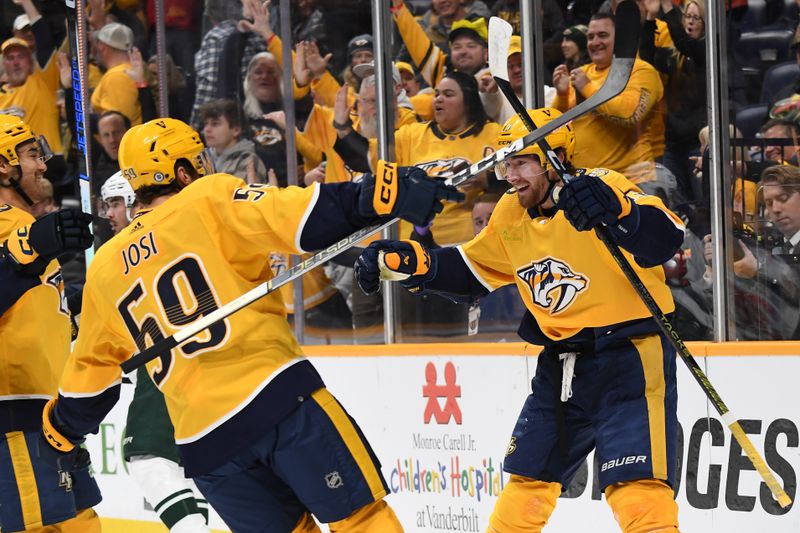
[[13, 132], [148, 152], [514, 128]]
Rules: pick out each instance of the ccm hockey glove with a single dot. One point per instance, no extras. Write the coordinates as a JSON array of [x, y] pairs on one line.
[[33, 247], [404, 192], [587, 202], [57, 450], [408, 262]]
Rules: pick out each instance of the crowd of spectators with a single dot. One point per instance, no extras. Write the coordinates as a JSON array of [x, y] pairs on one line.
[[225, 77]]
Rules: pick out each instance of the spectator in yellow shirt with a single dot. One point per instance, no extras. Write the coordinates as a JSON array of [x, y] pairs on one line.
[[116, 90], [616, 135], [30, 93]]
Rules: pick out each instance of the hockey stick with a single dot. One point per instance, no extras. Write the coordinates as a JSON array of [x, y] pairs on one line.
[[617, 79], [627, 17], [76, 28]]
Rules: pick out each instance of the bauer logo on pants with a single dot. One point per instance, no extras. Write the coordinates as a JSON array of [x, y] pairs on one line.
[[553, 284]]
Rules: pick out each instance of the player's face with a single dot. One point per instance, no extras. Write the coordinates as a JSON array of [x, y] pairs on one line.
[[265, 81], [467, 54], [18, 65], [481, 212], [600, 42], [117, 213], [448, 106], [783, 207], [527, 176], [569, 49], [31, 169], [515, 73]]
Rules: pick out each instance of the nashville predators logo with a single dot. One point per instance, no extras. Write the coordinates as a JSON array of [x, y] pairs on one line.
[[553, 284], [443, 168]]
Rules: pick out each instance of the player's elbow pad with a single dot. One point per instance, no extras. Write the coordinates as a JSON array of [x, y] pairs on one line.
[[649, 234]]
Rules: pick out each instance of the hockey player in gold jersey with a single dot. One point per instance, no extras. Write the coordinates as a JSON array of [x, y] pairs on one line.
[[35, 333], [606, 377], [257, 430]]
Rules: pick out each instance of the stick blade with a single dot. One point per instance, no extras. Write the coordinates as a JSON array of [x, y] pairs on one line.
[[627, 30], [500, 33]]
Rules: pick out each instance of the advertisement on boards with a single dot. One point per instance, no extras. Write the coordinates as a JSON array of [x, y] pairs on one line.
[[440, 426]]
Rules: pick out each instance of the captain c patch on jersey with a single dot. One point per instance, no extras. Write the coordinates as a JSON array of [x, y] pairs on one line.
[[553, 284]]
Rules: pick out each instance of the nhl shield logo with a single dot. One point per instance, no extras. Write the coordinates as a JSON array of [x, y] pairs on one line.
[[334, 480], [553, 284]]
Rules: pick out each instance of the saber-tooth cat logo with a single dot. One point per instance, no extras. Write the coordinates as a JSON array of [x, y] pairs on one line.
[[553, 284]]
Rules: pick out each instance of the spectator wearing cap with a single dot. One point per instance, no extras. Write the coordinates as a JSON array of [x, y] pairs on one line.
[[30, 93], [360, 50], [573, 46], [497, 107], [311, 69], [23, 29], [421, 97], [116, 90], [328, 127], [439, 19], [468, 46]]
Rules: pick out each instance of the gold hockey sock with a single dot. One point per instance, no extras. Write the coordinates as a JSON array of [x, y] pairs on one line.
[[377, 517], [86, 521], [644, 506], [306, 524], [524, 506]]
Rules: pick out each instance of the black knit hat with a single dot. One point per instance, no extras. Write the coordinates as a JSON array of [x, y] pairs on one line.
[[577, 34], [359, 42]]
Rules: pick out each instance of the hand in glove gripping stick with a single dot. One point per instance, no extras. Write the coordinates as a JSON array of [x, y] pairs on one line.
[[408, 262], [404, 192], [587, 201], [33, 247]]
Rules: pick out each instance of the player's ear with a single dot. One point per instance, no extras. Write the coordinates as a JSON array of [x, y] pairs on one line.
[[5, 170], [184, 175]]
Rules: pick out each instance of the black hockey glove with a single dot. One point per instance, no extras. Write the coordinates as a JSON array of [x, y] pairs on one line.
[[408, 262], [404, 192], [33, 247], [587, 202]]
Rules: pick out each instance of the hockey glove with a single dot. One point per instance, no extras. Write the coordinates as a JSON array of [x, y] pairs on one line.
[[57, 450], [408, 262], [33, 247], [587, 201], [404, 192]]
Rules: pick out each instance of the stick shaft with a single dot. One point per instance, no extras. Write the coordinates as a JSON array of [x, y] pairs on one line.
[[76, 28], [617, 78], [663, 322]]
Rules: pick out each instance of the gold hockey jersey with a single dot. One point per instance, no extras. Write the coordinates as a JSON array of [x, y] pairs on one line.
[[183, 259], [35, 333], [567, 279]]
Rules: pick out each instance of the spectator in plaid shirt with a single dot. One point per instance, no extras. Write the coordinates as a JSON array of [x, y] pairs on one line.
[[225, 14]]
